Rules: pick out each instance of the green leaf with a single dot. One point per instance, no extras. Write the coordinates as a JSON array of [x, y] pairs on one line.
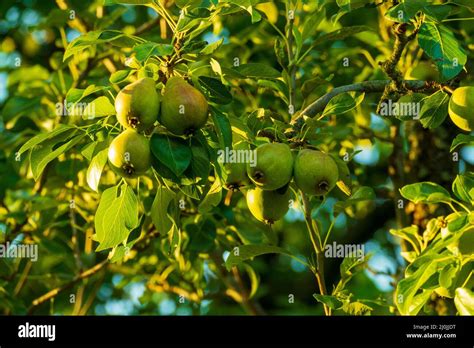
[[146, 50], [198, 171], [75, 95], [434, 110], [17, 106], [127, 2], [94, 171], [201, 237], [410, 294], [116, 216], [193, 20], [331, 301], [56, 18], [174, 153], [254, 280], [356, 308], [120, 76], [215, 90], [298, 41], [44, 136], [437, 12], [114, 37], [362, 193], [277, 85], [425, 192], [184, 3], [28, 74], [257, 70], [441, 46], [92, 149], [50, 149], [411, 235], [212, 199], [340, 34], [312, 23], [350, 5], [464, 301], [448, 274], [404, 12], [349, 263], [341, 104], [280, 52], [461, 139], [160, 215], [245, 252], [223, 128], [463, 187], [210, 49], [99, 107]]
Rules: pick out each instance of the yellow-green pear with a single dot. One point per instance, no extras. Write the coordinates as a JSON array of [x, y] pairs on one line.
[[129, 154], [184, 109], [461, 108], [137, 105], [273, 168], [315, 172], [268, 206]]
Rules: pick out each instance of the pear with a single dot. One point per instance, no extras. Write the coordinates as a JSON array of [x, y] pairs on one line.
[[184, 109], [274, 166], [137, 105], [268, 206], [129, 154], [461, 106], [315, 172], [237, 171]]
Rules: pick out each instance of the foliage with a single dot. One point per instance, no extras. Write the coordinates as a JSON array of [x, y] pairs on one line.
[[313, 74]]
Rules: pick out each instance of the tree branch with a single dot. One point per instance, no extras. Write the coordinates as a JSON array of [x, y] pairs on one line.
[[374, 86], [316, 241], [394, 89], [49, 295]]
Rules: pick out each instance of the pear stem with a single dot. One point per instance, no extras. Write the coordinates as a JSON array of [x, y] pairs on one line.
[[315, 237]]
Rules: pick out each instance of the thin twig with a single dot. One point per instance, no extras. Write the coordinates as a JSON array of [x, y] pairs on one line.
[[53, 293], [316, 241]]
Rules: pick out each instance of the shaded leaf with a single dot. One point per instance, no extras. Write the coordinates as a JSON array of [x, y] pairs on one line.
[[425, 192]]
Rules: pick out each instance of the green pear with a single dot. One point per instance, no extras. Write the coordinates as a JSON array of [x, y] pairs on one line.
[[237, 172], [274, 166], [268, 206], [315, 172], [461, 106], [137, 105], [184, 109], [129, 154]]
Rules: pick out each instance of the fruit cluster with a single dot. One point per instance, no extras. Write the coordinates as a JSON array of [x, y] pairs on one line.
[[182, 109], [314, 172]]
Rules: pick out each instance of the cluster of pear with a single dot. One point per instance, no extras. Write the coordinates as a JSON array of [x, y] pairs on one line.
[[314, 172], [461, 108], [182, 109]]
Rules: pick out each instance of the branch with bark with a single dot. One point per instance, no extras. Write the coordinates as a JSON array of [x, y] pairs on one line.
[[53, 293], [375, 86]]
